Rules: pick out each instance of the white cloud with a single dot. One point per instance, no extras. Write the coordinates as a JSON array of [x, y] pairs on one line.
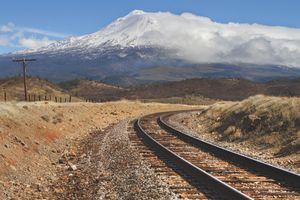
[[199, 39], [7, 28], [4, 41], [41, 32], [25, 37], [34, 43]]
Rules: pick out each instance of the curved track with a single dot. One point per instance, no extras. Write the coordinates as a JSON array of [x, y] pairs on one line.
[[208, 171]]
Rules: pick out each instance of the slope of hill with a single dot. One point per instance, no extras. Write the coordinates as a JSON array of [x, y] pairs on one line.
[[226, 89], [260, 126], [283, 87], [188, 91], [35, 86], [216, 88], [92, 89], [175, 73]]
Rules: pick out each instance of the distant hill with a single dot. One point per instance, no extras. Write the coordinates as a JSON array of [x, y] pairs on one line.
[[92, 89], [35, 86], [161, 74], [217, 88], [284, 87], [213, 88], [184, 91]]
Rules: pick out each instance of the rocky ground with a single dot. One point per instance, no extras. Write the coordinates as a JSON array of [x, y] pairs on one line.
[[107, 167], [266, 128], [73, 151]]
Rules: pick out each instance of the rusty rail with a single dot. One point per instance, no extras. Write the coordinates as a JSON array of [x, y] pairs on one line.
[[213, 166], [253, 164], [190, 169]]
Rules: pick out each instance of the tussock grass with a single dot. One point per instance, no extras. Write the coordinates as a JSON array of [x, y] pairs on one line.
[[267, 121]]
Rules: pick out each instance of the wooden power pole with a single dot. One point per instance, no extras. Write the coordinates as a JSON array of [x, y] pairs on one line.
[[24, 73]]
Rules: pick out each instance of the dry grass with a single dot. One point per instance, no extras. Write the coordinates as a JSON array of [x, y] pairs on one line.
[[267, 121], [263, 127], [187, 99], [92, 90], [15, 89]]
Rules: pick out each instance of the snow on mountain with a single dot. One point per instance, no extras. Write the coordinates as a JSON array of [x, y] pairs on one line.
[[194, 38], [165, 43]]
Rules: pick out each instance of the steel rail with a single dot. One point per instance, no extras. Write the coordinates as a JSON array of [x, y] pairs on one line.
[[253, 164], [190, 169]]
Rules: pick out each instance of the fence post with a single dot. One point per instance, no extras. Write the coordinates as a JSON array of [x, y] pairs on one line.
[[65, 99], [55, 99], [39, 97], [60, 99], [5, 96], [45, 97], [70, 98], [29, 98]]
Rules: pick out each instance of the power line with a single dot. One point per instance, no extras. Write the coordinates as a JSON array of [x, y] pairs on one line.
[[23, 61]]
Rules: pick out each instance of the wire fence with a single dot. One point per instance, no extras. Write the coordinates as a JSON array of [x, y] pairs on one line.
[[43, 97]]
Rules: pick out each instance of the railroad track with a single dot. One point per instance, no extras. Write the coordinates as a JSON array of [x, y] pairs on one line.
[[195, 169]]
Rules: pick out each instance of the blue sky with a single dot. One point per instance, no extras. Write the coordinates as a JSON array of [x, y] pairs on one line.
[[25, 24]]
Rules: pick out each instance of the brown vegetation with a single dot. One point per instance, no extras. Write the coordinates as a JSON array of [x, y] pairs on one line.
[[216, 88], [269, 125], [182, 91], [14, 89], [270, 121], [92, 90], [188, 100], [191, 91]]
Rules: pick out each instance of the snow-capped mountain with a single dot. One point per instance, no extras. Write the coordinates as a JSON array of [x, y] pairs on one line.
[[133, 44], [137, 29]]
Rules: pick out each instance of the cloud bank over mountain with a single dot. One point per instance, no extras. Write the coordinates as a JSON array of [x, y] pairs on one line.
[[195, 39], [199, 39]]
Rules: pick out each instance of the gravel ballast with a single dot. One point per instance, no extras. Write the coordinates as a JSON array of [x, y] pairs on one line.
[[108, 167]]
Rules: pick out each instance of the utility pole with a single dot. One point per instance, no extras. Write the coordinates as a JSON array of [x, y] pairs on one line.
[[24, 73]]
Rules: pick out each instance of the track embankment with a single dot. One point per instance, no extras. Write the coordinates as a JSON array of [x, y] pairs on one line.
[[223, 175]]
